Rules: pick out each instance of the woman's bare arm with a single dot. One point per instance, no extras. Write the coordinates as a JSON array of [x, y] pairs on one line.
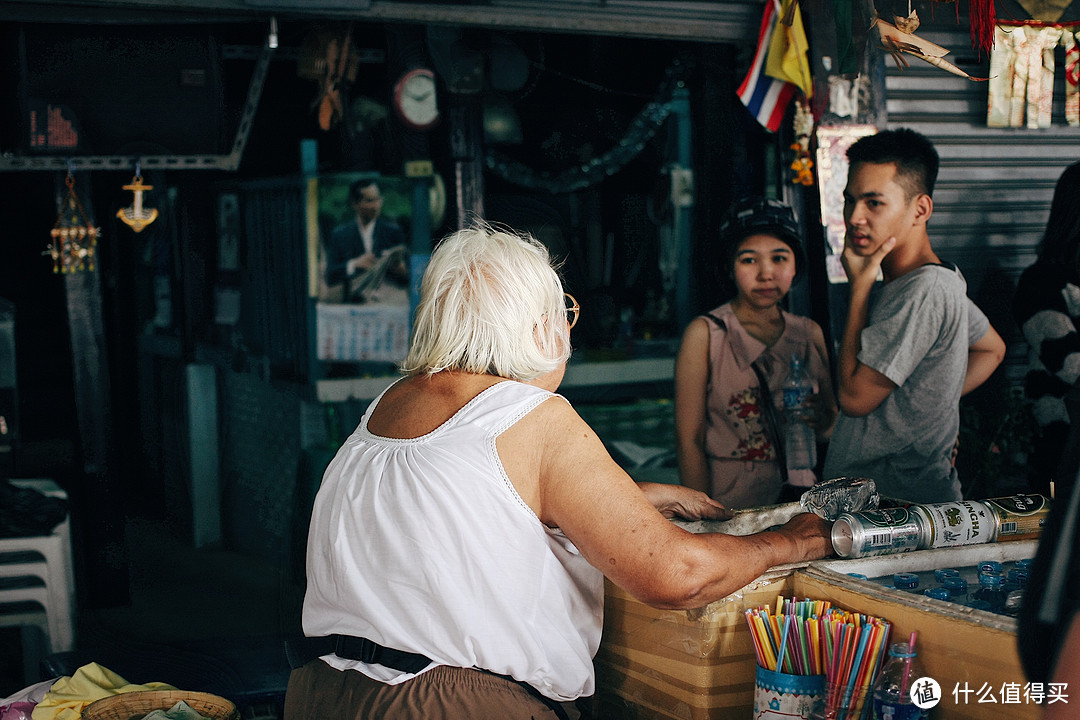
[[615, 526]]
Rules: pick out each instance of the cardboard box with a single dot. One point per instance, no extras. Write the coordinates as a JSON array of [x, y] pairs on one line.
[[686, 664], [700, 664]]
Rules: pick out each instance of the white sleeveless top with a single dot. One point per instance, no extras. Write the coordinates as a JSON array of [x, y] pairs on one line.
[[424, 545]]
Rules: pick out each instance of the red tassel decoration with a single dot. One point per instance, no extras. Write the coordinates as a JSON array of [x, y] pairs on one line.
[[983, 17]]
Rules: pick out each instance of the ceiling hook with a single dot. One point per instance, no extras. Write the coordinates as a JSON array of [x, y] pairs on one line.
[[272, 38]]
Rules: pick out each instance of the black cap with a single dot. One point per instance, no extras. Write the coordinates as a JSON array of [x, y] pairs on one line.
[[753, 216]]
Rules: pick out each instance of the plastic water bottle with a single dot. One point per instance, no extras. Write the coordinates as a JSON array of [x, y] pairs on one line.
[[991, 590], [906, 581], [1014, 600], [892, 689], [800, 441], [957, 587]]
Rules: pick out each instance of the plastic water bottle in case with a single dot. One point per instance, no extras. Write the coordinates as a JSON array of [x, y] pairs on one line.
[[892, 690], [800, 440]]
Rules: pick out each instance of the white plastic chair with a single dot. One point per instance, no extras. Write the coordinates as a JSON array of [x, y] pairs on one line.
[[40, 570]]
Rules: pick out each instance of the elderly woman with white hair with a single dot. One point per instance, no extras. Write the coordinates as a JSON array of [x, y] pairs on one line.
[[460, 537]]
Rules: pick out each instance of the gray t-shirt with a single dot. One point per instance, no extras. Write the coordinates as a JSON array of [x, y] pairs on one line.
[[920, 328]]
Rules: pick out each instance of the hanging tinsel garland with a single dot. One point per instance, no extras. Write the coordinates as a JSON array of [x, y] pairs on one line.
[[642, 129], [983, 18]]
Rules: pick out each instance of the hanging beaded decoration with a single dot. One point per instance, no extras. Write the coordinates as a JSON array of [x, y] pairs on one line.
[[74, 237]]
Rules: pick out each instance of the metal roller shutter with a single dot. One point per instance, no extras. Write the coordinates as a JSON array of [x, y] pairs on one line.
[[995, 185]]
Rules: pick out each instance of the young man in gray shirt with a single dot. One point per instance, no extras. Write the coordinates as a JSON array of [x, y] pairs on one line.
[[905, 362]]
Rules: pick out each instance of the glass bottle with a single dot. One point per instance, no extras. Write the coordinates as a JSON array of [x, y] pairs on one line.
[[892, 689]]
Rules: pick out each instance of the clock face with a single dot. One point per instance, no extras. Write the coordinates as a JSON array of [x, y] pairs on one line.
[[415, 99]]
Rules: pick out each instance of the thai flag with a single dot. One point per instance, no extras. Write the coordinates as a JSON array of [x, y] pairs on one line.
[[766, 97]]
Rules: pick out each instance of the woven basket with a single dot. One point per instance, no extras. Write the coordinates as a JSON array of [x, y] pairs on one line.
[[135, 705]]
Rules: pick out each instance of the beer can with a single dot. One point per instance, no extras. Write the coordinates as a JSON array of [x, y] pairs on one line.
[[950, 524], [876, 532], [1019, 517]]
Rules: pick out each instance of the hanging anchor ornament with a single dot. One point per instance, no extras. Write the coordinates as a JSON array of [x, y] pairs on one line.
[[137, 216], [74, 237]]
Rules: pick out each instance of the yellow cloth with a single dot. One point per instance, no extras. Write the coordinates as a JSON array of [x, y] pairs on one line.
[[69, 696], [787, 59]]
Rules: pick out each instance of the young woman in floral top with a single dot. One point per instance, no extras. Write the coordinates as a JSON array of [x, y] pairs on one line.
[[725, 442]]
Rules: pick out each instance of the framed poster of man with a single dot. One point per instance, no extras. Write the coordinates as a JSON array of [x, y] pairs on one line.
[[361, 233]]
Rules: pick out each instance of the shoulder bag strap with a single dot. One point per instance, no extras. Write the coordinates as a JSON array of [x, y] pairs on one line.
[[769, 410]]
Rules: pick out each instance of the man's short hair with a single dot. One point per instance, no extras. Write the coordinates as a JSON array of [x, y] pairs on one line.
[[358, 186], [490, 302], [912, 152]]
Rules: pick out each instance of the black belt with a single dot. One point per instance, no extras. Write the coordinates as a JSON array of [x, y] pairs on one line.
[[302, 650]]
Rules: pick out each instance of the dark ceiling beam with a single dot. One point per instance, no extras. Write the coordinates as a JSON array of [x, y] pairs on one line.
[[694, 21], [688, 20], [107, 12]]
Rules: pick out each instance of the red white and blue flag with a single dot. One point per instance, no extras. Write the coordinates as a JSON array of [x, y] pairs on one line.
[[764, 96]]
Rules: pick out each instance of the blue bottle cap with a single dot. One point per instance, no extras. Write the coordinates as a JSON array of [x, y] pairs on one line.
[[901, 650], [1024, 564], [956, 586], [860, 576], [943, 573], [906, 581], [989, 566], [992, 580], [938, 593], [1018, 577]]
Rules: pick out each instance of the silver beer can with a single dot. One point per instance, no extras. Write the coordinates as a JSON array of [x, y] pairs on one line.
[[951, 524], [877, 532]]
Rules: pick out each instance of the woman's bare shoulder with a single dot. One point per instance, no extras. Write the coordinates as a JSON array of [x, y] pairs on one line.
[[416, 405]]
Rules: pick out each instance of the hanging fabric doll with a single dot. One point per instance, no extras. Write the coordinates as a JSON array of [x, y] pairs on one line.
[[1072, 75], [1022, 76]]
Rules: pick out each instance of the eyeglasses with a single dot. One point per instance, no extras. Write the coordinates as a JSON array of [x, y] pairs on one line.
[[573, 310]]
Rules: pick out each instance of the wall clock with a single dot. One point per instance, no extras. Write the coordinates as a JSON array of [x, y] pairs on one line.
[[415, 100]]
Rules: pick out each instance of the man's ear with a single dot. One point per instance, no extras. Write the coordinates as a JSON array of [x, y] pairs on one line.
[[924, 208]]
